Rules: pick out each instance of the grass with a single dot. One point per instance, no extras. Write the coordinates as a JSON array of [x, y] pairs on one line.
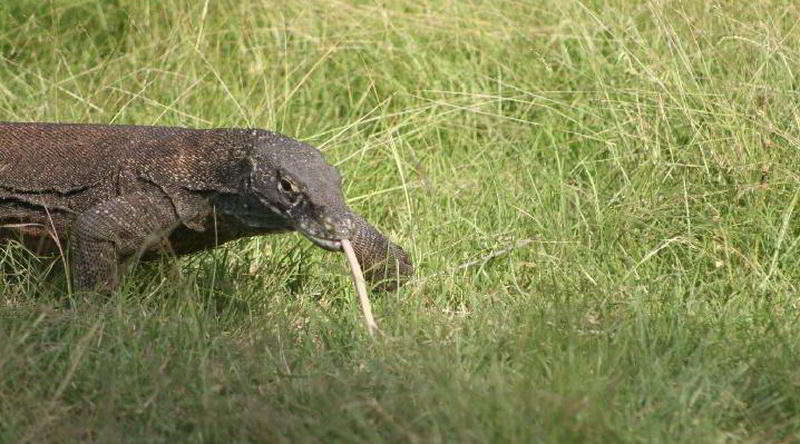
[[601, 198]]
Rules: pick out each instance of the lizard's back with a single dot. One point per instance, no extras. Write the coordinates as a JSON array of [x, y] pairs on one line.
[[50, 173], [63, 158]]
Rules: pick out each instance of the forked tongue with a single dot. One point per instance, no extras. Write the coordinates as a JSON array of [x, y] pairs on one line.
[[361, 286]]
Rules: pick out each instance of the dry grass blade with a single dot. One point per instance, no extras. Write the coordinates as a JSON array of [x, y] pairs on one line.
[[361, 286]]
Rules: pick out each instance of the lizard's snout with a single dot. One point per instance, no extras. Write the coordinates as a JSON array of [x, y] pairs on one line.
[[326, 227], [385, 264]]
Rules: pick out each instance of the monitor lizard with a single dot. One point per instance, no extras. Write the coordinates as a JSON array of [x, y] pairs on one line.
[[107, 194]]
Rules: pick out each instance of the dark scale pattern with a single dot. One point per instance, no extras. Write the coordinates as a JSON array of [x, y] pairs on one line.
[[120, 192]]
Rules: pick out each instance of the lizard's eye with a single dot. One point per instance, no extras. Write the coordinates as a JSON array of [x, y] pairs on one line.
[[286, 187], [289, 190]]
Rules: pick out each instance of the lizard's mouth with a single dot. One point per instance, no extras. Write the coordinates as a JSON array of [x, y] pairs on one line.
[[323, 233], [328, 244]]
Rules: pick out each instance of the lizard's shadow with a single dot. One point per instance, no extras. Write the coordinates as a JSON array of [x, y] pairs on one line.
[[23, 274], [230, 277], [216, 278]]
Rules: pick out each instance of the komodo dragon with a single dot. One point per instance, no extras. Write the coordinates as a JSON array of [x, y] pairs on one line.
[[116, 193]]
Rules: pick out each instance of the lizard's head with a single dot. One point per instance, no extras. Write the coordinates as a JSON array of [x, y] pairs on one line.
[[290, 180]]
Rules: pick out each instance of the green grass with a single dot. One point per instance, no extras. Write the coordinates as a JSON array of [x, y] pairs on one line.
[[601, 198]]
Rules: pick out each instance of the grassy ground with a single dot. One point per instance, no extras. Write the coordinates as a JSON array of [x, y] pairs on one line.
[[601, 198]]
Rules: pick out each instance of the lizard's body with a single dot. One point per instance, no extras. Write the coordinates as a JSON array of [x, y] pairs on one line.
[[117, 192]]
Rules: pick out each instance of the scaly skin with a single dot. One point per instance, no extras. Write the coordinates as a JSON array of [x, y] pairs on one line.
[[115, 193]]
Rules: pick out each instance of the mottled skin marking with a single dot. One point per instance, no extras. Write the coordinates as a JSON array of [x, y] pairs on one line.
[[118, 192]]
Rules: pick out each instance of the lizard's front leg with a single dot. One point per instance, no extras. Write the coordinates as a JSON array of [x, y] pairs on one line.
[[106, 235]]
